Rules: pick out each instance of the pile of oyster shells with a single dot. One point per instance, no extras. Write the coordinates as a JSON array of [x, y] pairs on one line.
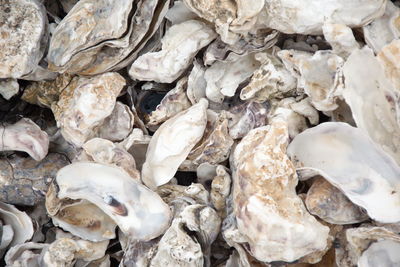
[[184, 133]]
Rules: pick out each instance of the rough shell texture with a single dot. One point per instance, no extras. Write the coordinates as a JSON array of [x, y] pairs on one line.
[[389, 58], [341, 38], [172, 143], [372, 99], [265, 180], [25, 136], [84, 104], [139, 212], [26, 254], [330, 204], [367, 175], [23, 26], [291, 16], [179, 46]]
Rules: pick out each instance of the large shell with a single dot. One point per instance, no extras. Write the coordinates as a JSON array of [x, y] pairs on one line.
[[330, 204], [367, 175], [26, 136], [372, 99], [23, 33], [318, 74], [308, 16], [384, 29], [179, 46], [99, 36], [268, 211], [84, 104], [172, 143], [139, 212]]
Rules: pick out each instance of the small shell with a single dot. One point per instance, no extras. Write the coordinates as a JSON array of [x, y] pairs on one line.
[[179, 46], [84, 104], [8, 88], [330, 204], [341, 38], [220, 190], [367, 175], [25, 136], [172, 143], [265, 180]]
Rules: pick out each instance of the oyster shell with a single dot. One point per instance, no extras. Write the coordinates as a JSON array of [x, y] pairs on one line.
[[26, 254], [139, 212], [179, 46], [308, 17], [220, 190], [23, 34], [367, 175], [8, 88], [265, 180], [84, 104], [372, 99], [223, 77], [341, 38], [96, 37], [196, 84], [25, 136], [318, 74], [172, 143], [383, 252], [388, 57], [330, 204], [384, 29]]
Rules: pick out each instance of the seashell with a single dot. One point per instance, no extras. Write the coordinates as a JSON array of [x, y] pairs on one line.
[[25, 136], [141, 213], [173, 102], [179, 13], [81, 218], [304, 108], [118, 125], [224, 77], [24, 181], [246, 117], [383, 252], [220, 190], [341, 38], [17, 227], [308, 17], [196, 83], [96, 37], [84, 104], [26, 254], [265, 180], [388, 57], [136, 144], [372, 99], [319, 75], [172, 143], [296, 122], [272, 79], [179, 46], [105, 152], [8, 88], [366, 172], [384, 29], [45, 93], [215, 145], [331, 205], [23, 37]]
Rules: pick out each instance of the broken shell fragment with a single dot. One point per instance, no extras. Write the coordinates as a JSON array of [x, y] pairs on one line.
[[179, 46], [367, 175], [139, 212], [265, 180], [8, 88], [25, 136], [341, 38], [385, 252], [172, 143], [84, 104], [330, 204], [23, 34]]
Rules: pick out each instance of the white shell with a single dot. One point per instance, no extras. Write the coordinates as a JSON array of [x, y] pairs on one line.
[[367, 175], [389, 58], [8, 88], [179, 46], [384, 29], [138, 211], [308, 16], [384, 253], [172, 143], [341, 38], [268, 211], [26, 136], [84, 104], [197, 84], [372, 99]]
